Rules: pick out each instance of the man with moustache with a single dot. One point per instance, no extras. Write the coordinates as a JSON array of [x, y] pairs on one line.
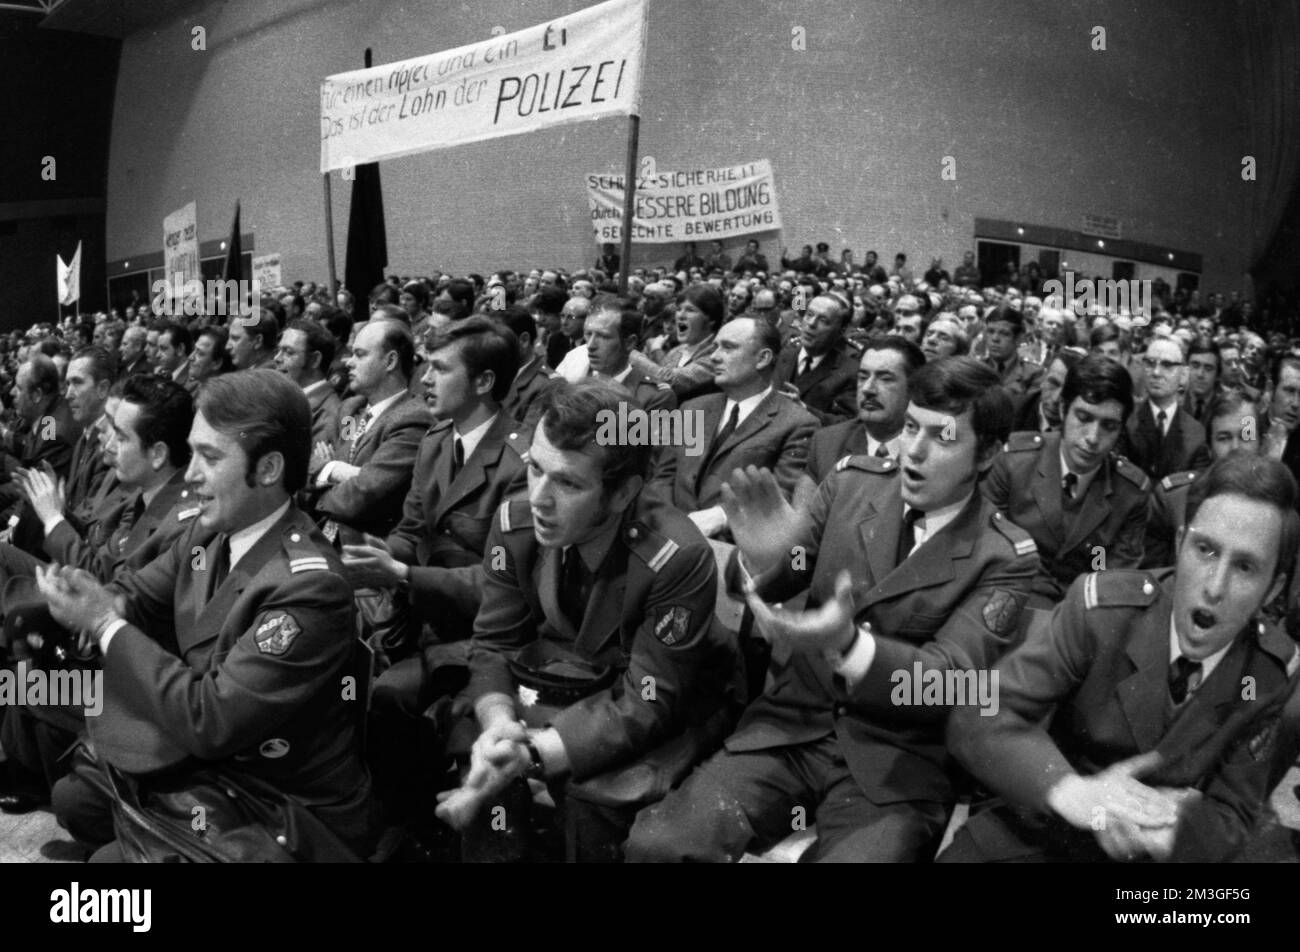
[[468, 463], [883, 371], [305, 354], [248, 642], [602, 586], [905, 565], [747, 424], [1125, 732], [1084, 506]]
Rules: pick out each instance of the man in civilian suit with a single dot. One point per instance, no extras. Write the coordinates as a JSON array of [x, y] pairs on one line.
[[820, 373], [907, 568], [1124, 730], [883, 371], [305, 353], [748, 424], [533, 376], [361, 482], [1162, 437]]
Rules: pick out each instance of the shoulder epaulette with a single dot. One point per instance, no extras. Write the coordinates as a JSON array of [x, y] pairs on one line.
[[1020, 540], [1120, 588], [520, 441], [516, 514], [553, 376], [653, 548], [868, 464], [302, 552], [1174, 480], [438, 426], [188, 512], [1132, 473], [1023, 440], [663, 386], [1274, 639]]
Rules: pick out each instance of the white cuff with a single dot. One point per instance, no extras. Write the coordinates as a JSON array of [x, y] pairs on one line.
[[555, 759], [853, 667], [49, 526], [112, 629], [323, 477]]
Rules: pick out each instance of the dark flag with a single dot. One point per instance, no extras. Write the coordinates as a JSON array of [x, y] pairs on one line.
[[367, 239], [232, 269]]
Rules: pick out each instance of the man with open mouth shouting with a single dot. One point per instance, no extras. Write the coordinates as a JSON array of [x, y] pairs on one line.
[[1167, 689]]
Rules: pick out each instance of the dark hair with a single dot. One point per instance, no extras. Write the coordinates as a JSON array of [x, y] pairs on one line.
[[911, 354], [390, 312], [166, 413], [1231, 402], [1103, 334], [520, 321], [317, 339], [265, 412], [45, 374], [710, 302], [957, 384], [1282, 361], [337, 321], [266, 327], [488, 345], [418, 290], [1008, 314], [103, 362], [549, 300], [462, 294], [572, 415], [85, 331], [1098, 379], [1203, 345], [273, 305], [383, 293], [1259, 478], [179, 334], [768, 337]]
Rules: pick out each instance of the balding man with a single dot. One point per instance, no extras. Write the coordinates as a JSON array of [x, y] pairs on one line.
[[132, 352], [251, 343], [819, 373]]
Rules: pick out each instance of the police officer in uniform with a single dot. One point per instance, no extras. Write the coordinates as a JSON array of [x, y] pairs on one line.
[[250, 635], [595, 644], [1125, 730], [1084, 506]]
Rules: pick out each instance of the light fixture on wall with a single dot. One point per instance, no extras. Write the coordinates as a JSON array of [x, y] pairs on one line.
[[1100, 243], [1171, 256], [125, 265], [223, 246], [1020, 231]]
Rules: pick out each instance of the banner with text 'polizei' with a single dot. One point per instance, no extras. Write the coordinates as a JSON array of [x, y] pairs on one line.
[[688, 205], [583, 66]]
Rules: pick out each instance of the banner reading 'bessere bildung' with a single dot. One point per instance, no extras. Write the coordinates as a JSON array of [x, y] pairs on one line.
[[572, 69]]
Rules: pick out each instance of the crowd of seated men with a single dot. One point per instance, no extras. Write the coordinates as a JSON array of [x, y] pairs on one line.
[[404, 572]]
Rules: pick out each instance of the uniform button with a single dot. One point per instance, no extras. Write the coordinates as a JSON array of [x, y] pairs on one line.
[[282, 840], [840, 710], [295, 537], [1148, 588], [633, 533], [514, 436]]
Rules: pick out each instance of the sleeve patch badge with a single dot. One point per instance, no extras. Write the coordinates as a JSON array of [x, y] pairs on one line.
[[1001, 612], [276, 635], [1259, 745], [673, 625]]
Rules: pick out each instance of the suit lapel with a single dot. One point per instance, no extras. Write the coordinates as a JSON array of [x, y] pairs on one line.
[[1209, 707], [473, 475], [603, 617], [210, 617], [1144, 695], [1047, 489], [547, 576], [1094, 509], [879, 533], [932, 563]]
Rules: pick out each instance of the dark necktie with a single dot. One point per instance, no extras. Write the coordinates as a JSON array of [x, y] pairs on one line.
[[1069, 484], [907, 534], [1160, 428], [806, 365], [1181, 673], [457, 458], [573, 587], [1200, 408], [883, 451], [220, 563], [724, 434]]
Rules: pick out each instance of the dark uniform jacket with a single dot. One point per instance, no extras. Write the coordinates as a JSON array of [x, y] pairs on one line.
[[829, 390], [1109, 522], [1019, 376], [372, 500], [1091, 689], [650, 615], [249, 676], [527, 387], [1184, 446], [1165, 511], [49, 440], [954, 603], [131, 534], [445, 522], [773, 436], [831, 444]]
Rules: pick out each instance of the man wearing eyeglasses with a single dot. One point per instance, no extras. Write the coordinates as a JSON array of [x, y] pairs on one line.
[[1162, 437]]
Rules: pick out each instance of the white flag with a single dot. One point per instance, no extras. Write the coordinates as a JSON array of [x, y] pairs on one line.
[[70, 278]]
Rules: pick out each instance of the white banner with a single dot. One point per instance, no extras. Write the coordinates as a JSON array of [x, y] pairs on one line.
[[583, 66], [69, 277], [691, 205], [181, 254], [266, 271]]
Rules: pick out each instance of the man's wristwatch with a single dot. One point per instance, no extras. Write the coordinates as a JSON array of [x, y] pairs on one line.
[[536, 769]]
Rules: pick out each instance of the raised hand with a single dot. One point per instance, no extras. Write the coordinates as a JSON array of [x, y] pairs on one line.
[[765, 526]]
